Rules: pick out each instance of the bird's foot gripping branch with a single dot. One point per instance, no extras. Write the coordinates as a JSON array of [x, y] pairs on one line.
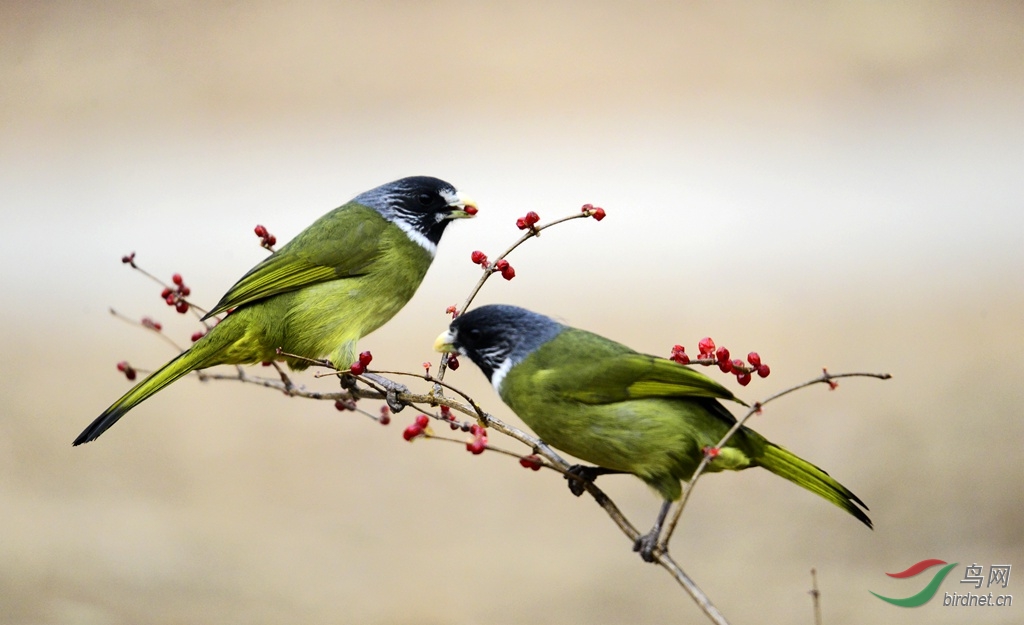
[[565, 383]]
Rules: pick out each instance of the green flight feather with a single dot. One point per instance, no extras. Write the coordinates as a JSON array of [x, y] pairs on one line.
[[606, 372], [341, 244]]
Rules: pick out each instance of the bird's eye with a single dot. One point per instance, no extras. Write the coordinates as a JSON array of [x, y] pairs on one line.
[[424, 199]]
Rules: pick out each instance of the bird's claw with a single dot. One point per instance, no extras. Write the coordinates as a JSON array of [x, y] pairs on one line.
[[392, 390], [646, 545], [578, 475]]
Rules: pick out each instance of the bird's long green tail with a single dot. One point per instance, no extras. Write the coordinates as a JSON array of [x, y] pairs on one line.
[[202, 354], [802, 473]]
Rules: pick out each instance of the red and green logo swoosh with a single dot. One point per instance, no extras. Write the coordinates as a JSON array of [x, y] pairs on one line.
[[928, 591]]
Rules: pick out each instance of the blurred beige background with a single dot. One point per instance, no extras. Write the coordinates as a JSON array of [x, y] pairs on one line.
[[831, 184]]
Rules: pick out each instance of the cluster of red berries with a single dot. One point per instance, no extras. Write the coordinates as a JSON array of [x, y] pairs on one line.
[[720, 356], [148, 322], [595, 211], [359, 366], [529, 221], [502, 265], [479, 442], [176, 296], [532, 462], [267, 240], [125, 368], [416, 428]]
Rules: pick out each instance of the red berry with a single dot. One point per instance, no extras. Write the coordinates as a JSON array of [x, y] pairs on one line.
[[763, 371], [342, 406], [181, 306], [476, 446], [426, 365], [737, 366], [722, 354], [271, 240], [166, 293], [198, 335], [384, 419], [530, 462], [725, 366], [531, 218], [521, 224], [711, 452], [171, 300], [357, 368], [679, 355], [587, 207], [706, 346], [265, 363], [599, 214], [476, 430], [454, 424], [453, 362], [506, 269], [365, 358], [411, 432], [446, 413], [479, 257], [176, 278], [184, 290], [126, 369], [422, 421], [754, 359], [260, 231], [471, 210], [743, 379], [128, 258]]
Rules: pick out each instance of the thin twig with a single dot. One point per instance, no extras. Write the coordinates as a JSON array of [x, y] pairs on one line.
[[824, 378], [489, 270], [815, 597], [159, 333]]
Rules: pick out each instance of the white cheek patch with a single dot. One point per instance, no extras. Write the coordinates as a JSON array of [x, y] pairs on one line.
[[499, 374], [416, 236]]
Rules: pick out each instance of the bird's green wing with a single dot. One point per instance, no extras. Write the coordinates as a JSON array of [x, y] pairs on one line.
[[595, 370], [341, 244]]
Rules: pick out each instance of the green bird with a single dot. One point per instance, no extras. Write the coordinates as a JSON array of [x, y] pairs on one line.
[[621, 410], [341, 278]]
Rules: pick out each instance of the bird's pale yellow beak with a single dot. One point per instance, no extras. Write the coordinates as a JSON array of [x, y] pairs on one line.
[[464, 207], [444, 342]]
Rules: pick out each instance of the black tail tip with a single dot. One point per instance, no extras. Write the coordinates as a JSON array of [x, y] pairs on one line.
[[98, 426]]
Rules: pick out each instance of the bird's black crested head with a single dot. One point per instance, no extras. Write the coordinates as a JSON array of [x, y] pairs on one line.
[[420, 205], [497, 337]]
